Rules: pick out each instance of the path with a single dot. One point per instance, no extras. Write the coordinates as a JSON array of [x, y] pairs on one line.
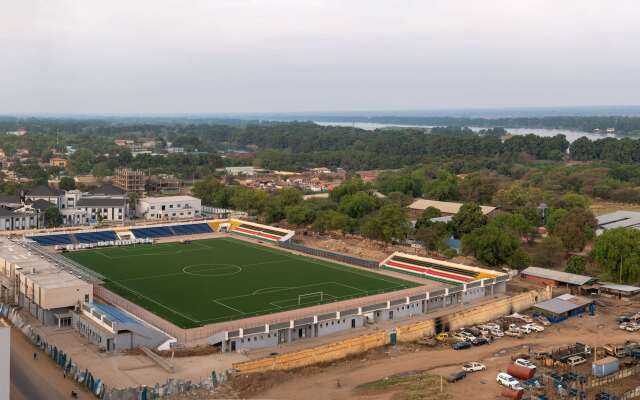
[[37, 379], [353, 373]]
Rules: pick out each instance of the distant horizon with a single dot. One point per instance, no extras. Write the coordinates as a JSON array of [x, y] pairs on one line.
[[462, 112]]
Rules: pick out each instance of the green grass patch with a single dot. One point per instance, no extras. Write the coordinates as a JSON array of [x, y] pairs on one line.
[[407, 386], [222, 279]]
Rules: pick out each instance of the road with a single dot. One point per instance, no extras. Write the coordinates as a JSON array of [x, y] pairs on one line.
[[37, 379]]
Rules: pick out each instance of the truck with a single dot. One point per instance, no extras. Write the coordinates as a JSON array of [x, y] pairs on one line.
[[564, 353], [614, 350]]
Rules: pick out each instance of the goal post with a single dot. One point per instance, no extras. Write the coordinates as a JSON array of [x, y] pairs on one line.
[[314, 296]]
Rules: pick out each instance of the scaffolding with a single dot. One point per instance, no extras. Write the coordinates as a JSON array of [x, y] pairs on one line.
[[129, 180]]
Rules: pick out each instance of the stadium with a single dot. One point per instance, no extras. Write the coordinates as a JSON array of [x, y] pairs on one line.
[[242, 285]]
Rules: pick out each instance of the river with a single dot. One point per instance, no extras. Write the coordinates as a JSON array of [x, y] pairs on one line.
[[571, 135]]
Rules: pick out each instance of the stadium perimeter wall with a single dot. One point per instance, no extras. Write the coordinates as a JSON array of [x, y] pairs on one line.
[[199, 335], [404, 333]]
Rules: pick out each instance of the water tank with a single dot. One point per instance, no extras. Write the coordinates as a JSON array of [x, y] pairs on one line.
[[605, 366], [522, 373]]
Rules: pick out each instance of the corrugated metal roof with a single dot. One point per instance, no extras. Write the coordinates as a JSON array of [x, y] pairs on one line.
[[563, 304], [621, 288], [619, 219], [558, 276]]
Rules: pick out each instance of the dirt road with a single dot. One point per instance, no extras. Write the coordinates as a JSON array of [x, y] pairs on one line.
[[590, 330], [37, 379]]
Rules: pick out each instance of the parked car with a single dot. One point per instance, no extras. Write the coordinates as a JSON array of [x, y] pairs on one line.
[[535, 327], [526, 329], [497, 332], [540, 355], [473, 367], [442, 336], [575, 360], [456, 376], [507, 380], [479, 341], [632, 327], [461, 345], [460, 337], [493, 325], [524, 363], [513, 333], [468, 335]]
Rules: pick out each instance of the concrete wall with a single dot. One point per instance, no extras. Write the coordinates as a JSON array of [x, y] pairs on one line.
[[405, 333], [5, 351]]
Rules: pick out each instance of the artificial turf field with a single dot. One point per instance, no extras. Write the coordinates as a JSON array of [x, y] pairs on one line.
[[215, 280]]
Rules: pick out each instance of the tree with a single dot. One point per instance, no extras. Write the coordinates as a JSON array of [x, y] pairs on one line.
[[206, 190], [67, 183], [576, 265], [573, 200], [389, 223], [52, 217], [617, 252], [432, 236], [349, 186], [300, 214], [444, 187], [358, 205], [494, 247], [478, 188], [425, 218], [576, 228], [514, 223], [331, 220], [250, 200], [468, 218], [549, 253]]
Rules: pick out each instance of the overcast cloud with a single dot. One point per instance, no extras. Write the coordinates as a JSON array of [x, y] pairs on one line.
[[191, 56]]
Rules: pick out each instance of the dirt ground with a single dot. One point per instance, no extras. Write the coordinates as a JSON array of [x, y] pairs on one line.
[[604, 207], [321, 382], [369, 249]]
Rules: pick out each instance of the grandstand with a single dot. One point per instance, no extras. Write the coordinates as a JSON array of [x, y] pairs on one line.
[[436, 270], [96, 236], [258, 231]]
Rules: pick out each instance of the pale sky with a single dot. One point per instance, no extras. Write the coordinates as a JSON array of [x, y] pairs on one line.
[[218, 56]]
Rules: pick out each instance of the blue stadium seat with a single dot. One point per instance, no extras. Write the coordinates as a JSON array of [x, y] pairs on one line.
[[192, 229], [52, 240], [94, 237]]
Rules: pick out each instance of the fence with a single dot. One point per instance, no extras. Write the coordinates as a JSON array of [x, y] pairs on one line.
[[101, 390], [329, 254]]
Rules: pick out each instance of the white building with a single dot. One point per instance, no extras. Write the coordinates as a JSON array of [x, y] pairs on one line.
[[5, 351], [169, 207]]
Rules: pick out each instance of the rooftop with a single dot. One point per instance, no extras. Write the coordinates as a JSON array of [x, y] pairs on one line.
[[446, 207], [621, 288], [558, 276], [619, 219], [168, 199], [44, 191], [36, 268], [108, 190], [563, 304], [100, 202]]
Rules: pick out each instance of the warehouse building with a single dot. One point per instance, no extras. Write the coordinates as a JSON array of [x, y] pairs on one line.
[[565, 306], [549, 277], [617, 290]]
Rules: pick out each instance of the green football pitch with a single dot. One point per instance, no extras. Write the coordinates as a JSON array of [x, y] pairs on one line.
[[208, 281]]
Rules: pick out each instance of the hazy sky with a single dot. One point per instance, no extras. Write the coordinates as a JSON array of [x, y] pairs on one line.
[[216, 56]]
